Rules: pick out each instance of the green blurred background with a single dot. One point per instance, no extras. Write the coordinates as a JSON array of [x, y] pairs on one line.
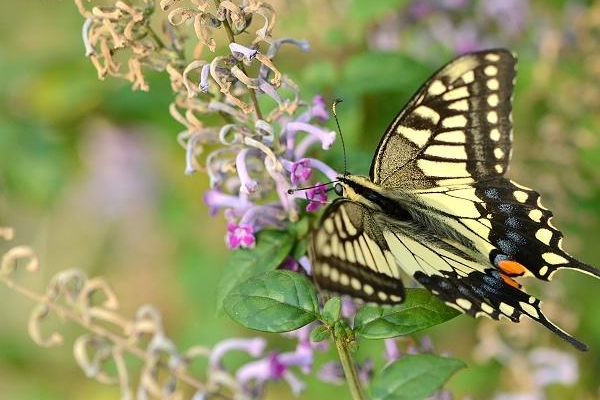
[[92, 177]]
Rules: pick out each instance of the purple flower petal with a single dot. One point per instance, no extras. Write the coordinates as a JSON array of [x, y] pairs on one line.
[[290, 264], [318, 109], [300, 171], [326, 137], [305, 263], [317, 197], [248, 185], [204, 75], [392, 352], [254, 347], [240, 236], [332, 372], [216, 200], [303, 357], [245, 51]]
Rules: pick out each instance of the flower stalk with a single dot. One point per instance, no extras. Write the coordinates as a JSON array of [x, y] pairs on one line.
[[240, 65], [352, 379]]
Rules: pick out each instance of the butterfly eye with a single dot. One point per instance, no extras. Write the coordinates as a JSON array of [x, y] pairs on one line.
[[339, 189]]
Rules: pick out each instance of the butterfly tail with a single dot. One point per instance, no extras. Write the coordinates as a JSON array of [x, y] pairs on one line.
[[581, 267], [541, 318]]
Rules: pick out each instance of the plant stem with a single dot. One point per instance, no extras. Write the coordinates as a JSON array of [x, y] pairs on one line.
[[240, 64], [349, 370]]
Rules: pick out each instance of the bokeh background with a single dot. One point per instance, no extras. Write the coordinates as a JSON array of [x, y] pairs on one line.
[[92, 177]]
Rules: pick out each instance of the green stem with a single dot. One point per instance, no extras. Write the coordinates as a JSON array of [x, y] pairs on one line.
[[349, 370], [240, 64]]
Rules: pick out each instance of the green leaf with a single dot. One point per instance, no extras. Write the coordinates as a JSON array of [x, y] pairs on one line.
[[319, 333], [271, 249], [365, 11], [277, 301], [373, 72], [331, 310], [413, 377], [419, 311]]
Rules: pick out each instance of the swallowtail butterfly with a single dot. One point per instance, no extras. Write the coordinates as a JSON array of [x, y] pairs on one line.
[[438, 206]]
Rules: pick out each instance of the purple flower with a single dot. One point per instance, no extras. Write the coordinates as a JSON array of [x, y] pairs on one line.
[[304, 342], [245, 51], [510, 15], [305, 264], [392, 352], [299, 167], [240, 236], [349, 307], [248, 185], [326, 137], [317, 197], [254, 347], [318, 109], [332, 372], [290, 264], [275, 367], [216, 200], [419, 9], [204, 75], [300, 171]]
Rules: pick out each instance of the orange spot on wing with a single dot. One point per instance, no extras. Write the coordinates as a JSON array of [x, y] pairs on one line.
[[512, 268], [510, 281]]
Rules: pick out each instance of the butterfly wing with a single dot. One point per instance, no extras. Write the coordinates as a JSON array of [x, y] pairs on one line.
[[349, 255], [465, 284], [456, 129], [507, 223]]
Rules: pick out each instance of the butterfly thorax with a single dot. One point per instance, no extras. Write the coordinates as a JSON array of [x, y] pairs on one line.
[[361, 190], [399, 208]]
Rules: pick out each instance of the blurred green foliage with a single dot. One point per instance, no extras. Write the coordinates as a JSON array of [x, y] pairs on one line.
[[163, 248]]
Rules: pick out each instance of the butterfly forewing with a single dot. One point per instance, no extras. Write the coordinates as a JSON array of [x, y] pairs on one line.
[[456, 129], [350, 255]]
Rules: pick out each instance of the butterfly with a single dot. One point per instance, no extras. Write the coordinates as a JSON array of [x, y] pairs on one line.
[[437, 205]]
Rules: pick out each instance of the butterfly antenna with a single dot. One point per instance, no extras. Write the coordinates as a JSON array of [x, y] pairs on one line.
[[294, 190], [333, 106]]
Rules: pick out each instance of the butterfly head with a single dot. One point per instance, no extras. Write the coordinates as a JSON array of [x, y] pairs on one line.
[[356, 188]]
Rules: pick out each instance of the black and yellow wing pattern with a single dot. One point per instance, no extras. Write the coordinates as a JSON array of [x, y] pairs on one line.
[[438, 207]]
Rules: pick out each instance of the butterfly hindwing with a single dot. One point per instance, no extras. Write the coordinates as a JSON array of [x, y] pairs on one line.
[[456, 129], [350, 255], [466, 285], [505, 221]]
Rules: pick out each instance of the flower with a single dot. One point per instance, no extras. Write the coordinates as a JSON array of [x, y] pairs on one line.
[[326, 137], [290, 264], [254, 347], [275, 367], [318, 109], [248, 185], [300, 171], [240, 236], [216, 200], [332, 372], [392, 352], [204, 75], [317, 197], [245, 51]]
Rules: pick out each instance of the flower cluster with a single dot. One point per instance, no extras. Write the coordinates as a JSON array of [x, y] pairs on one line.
[[459, 25], [245, 173], [260, 147]]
